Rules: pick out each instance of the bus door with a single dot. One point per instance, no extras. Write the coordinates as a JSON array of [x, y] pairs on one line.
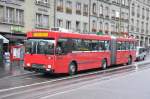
[[113, 51]]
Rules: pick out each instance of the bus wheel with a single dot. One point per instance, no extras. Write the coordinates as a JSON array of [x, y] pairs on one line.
[[104, 64], [129, 61], [72, 69]]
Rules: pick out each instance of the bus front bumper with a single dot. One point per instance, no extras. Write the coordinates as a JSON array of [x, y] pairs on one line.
[[41, 70]]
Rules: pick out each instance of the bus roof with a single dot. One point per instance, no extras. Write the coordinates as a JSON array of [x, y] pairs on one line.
[[57, 34], [54, 34]]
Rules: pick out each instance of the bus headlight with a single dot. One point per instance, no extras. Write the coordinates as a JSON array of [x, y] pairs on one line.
[[49, 66], [28, 64]]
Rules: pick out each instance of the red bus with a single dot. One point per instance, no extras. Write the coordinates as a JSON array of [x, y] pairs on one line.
[[60, 52]]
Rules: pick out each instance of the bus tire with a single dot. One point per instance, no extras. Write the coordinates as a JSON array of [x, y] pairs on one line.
[[104, 64], [129, 61], [72, 69]]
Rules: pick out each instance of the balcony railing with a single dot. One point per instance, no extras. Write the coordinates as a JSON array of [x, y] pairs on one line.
[[94, 13], [21, 23], [94, 30], [7, 21], [142, 30], [10, 21], [41, 3], [106, 31], [2, 20], [113, 18], [85, 13], [138, 15], [78, 12], [107, 17], [60, 8], [40, 26], [147, 18], [101, 15], [117, 18], [69, 10], [143, 17], [137, 29]]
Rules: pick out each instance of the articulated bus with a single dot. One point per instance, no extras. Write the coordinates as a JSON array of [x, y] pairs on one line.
[[60, 52]]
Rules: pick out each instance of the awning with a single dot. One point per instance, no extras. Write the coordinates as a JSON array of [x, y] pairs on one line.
[[4, 39], [15, 37]]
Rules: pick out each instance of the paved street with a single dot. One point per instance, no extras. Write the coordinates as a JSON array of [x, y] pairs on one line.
[[11, 69], [131, 86], [125, 82]]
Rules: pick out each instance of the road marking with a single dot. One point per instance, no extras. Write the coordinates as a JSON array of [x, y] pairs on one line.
[[69, 77], [88, 84], [83, 83], [65, 78]]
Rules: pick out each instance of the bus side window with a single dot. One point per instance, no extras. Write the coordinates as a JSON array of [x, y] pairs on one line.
[[101, 45], [127, 45], [107, 45], [119, 46], [94, 45], [124, 46]]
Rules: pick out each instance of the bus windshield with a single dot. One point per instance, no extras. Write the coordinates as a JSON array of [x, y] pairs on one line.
[[40, 46]]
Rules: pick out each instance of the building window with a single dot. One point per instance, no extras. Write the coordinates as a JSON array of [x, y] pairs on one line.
[[78, 8], [85, 27], [147, 28], [142, 27], [59, 23], [101, 10], [19, 17], [78, 26], [107, 12], [1, 14], [68, 25], [147, 12], [138, 11], [60, 5], [118, 1], [137, 28], [132, 24], [123, 2], [113, 28], [39, 20], [122, 15], [133, 9], [10, 15], [94, 26], [143, 13], [45, 21], [69, 7], [113, 14], [106, 28], [94, 9], [42, 21], [100, 26], [85, 10]]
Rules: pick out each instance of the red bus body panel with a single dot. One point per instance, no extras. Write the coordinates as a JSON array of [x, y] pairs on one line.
[[85, 60]]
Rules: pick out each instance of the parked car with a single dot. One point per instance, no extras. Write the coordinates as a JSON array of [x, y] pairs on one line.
[[140, 53]]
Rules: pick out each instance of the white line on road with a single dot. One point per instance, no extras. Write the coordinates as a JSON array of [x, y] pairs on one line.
[[65, 78], [60, 79]]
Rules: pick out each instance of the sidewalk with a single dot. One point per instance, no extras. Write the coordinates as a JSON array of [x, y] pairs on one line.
[[11, 69]]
